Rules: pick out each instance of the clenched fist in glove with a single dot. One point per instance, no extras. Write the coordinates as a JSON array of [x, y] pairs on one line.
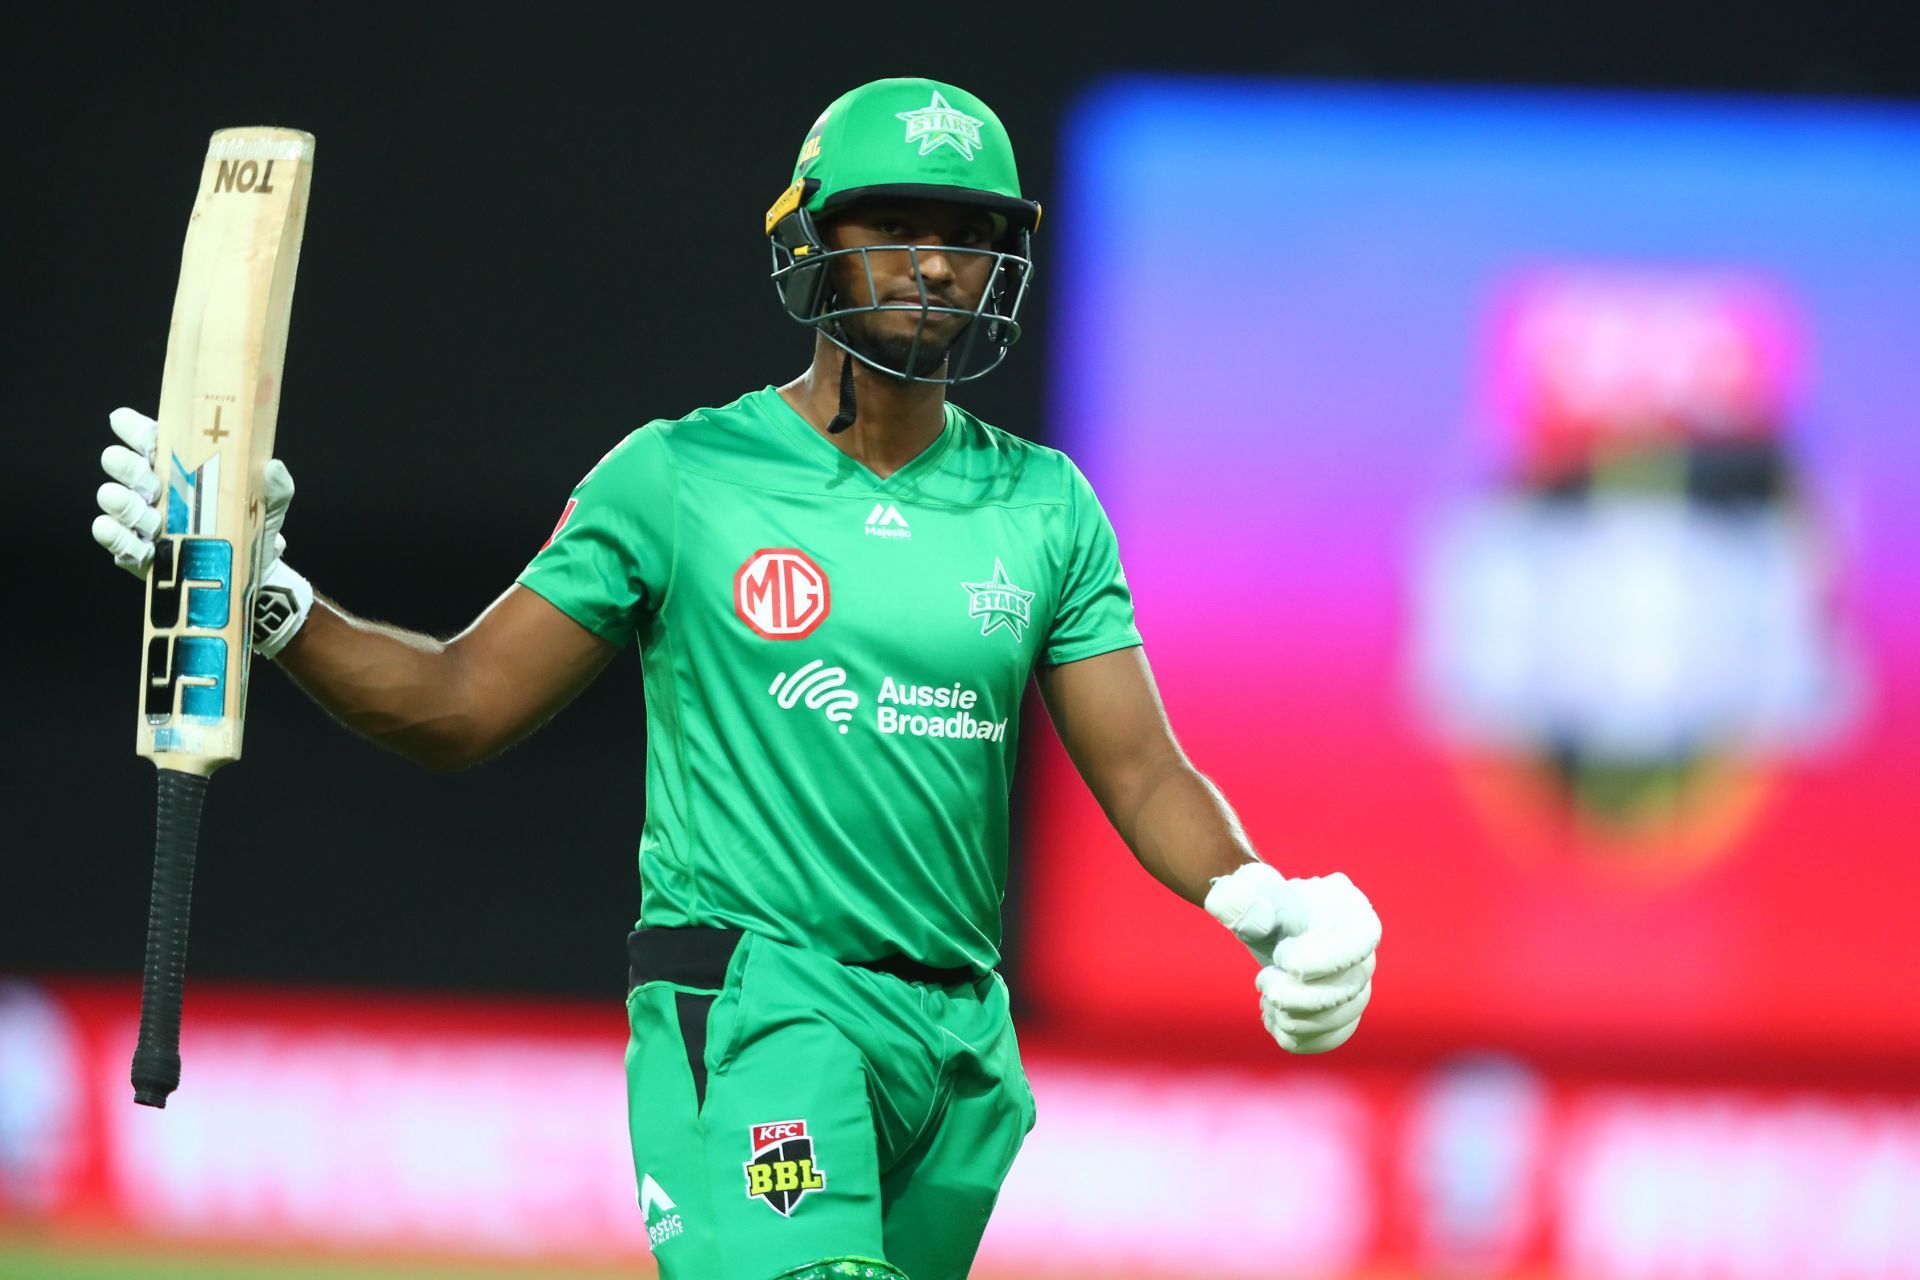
[[133, 506], [1314, 940]]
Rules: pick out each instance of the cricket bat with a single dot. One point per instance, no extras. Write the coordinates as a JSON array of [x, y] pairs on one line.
[[219, 397]]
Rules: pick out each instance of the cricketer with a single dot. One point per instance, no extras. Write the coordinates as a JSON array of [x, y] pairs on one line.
[[839, 589]]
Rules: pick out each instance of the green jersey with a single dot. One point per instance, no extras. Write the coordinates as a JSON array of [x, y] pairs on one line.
[[834, 664]]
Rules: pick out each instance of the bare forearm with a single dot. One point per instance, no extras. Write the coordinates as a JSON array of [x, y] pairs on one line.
[[1182, 830], [398, 688]]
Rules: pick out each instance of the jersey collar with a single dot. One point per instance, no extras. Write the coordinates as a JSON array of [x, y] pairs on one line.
[[843, 465]]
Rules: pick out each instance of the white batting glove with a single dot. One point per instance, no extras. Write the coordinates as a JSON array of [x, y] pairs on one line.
[[133, 512], [130, 499], [1314, 939]]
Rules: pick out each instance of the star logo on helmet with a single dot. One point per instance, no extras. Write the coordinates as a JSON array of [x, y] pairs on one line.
[[940, 124]]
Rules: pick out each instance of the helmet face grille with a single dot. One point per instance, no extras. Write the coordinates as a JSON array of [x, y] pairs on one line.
[[803, 276]]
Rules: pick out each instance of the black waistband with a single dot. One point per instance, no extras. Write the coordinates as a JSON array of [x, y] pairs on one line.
[[698, 957], [914, 971], [686, 957]]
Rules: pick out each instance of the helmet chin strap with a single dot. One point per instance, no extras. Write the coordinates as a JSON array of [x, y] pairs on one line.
[[848, 409]]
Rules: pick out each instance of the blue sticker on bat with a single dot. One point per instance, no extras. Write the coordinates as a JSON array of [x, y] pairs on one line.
[[193, 497], [206, 569], [194, 575], [179, 498], [192, 590], [201, 658]]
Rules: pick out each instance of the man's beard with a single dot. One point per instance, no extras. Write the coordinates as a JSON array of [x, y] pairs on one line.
[[892, 351]]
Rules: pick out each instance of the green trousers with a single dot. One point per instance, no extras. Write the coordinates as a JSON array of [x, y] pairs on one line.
[[788, 1110]]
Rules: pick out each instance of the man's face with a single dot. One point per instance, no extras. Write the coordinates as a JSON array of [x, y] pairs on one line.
[[951, 279]]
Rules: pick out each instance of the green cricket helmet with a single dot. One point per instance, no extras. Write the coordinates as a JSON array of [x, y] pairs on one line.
[[917, 139]]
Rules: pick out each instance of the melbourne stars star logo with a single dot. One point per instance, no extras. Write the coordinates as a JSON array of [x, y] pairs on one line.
[[998, 603], [940, 124]]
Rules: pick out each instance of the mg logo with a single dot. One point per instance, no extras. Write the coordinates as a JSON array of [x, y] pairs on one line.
[[781, 593]]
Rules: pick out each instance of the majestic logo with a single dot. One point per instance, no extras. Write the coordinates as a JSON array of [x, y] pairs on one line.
[[781, 593], [998, 603], [938, 124], [822, 687], [663, 1217], [885, 521], [782, 1171]]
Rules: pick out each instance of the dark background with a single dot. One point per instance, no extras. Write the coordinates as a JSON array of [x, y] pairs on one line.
[[532, 229]]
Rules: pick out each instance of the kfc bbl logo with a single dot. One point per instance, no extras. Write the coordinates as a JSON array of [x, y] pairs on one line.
[[782, 1169]]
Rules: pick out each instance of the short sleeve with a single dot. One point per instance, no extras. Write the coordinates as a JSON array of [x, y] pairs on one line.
[[608, 561], [1095, 614]]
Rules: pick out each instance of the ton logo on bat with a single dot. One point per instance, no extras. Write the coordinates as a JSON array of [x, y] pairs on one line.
[[244, 175]]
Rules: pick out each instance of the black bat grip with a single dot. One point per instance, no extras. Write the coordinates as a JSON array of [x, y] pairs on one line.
[[176, 839]]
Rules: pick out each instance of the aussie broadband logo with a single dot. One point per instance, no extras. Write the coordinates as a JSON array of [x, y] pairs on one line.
[[952, 706], [906, 710], [819, 686], [781, 593]]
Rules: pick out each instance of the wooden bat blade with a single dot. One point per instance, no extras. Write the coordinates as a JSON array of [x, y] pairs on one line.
[[219, 399]]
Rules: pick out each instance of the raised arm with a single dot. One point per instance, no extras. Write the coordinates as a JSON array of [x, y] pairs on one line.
[[446, 703]]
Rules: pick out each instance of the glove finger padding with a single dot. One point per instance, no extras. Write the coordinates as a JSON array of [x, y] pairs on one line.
[[1312, 995], [1342, 929], [279, 496], [130, 551], [1316, 1044], [125, 507], [129, 519], [1303, 1025], [136, 429], [279, 485], [132, 470]]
